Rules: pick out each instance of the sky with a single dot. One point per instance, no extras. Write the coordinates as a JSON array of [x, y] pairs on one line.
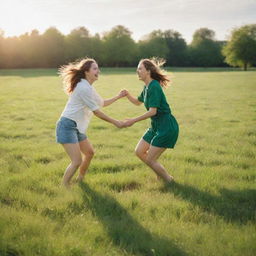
[[140, 17]]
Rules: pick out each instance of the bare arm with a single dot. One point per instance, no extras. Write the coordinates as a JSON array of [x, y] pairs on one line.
[[151, 112], [106, 118], [112, 100], [133, 100]]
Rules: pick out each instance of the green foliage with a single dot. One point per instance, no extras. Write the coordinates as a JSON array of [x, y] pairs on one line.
[[121, 209], [201, 35], [53, 50], [204, 50], [240, 50], [177, 48], [114, 48], [153, 45], [77, 43], [167, 44], [119, 47]]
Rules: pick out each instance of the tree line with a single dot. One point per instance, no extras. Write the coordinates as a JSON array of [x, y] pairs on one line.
[[117, 48]]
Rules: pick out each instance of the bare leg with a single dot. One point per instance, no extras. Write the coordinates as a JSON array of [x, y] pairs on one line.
[[153, 154], [87, 149], [141, 150], [73, 151], [149, 155]]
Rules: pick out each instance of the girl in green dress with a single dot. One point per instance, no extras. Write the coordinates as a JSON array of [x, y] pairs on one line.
[[164, 129]]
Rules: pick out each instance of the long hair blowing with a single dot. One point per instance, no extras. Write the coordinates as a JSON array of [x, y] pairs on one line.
[[156, 72], [73, 72]]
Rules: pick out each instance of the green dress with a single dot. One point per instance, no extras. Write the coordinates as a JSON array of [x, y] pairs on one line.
[[164, 128]]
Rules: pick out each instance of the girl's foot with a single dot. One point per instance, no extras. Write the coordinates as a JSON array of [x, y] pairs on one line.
[[170, 179], [80, 178], [66, 185]]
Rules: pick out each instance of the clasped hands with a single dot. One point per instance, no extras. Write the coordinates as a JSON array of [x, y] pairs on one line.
[[127, 122]]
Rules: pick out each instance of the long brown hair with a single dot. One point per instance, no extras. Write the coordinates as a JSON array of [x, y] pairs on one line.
[[73, 72], [156, 72]]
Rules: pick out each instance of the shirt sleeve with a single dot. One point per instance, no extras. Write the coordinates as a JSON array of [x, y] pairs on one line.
[[154, 96], [141, 97], [99, 100], [87, 96]]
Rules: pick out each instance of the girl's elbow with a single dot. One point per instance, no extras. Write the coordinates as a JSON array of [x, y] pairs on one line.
[[153, 112], [97, 112], [138, 103]]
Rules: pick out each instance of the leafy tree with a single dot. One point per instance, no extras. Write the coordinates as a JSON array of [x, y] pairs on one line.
[[177, 48], [96, 49], [35, 46], [119, 47], [153, 44], [11, 57], [77, 44], [52, 48], [205, 50], [30, 48], [241, 47]]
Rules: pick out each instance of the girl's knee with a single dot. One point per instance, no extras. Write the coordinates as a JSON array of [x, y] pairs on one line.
[[90, 153], [149, 161], [77, 162], [138, 153]]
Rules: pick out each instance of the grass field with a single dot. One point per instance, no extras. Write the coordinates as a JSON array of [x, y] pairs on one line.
[[121, 209]]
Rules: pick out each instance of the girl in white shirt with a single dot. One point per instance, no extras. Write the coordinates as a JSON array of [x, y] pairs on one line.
[[83, 102]]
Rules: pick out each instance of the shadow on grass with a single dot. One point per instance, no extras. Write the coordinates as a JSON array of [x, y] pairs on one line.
[[9, 252], [124, 231], [233, 205]]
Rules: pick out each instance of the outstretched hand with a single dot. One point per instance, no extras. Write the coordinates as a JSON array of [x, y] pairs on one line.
[[128, 122], [122, 93], [119, 124]]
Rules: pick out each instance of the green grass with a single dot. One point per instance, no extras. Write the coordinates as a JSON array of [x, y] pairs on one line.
[[121, 209]]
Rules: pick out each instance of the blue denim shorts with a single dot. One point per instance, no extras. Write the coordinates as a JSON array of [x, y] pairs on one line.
[[67, 132]]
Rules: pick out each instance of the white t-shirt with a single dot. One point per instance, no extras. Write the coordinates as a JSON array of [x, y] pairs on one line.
[[82, 101]]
